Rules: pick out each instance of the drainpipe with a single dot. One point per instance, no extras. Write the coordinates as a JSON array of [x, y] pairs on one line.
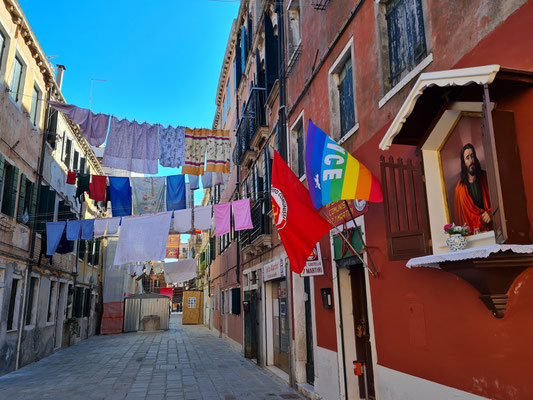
[[282, 121], [22, 311]]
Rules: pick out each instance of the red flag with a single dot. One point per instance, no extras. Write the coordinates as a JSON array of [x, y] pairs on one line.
[[299, 225]]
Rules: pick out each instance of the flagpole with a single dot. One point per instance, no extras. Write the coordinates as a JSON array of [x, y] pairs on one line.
[[372, 266]]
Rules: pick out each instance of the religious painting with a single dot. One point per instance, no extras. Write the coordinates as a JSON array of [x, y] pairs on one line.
[[464, 174]]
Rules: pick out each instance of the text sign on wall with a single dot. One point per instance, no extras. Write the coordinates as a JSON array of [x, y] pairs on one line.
[[338, 212], [314, 266], [273, 270]]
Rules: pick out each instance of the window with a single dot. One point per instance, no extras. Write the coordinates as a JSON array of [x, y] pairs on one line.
[[27, 203], [224, 112], [78, 302], [297, 148], [34, 110], [10, 176], [83, 164], [236, 301], [2, 47], [342, 95], [295, 35], [87, 305], [406, 37], [156, 283], [75, 161], [14, 304], [52, 302], [16, 80], [68, 151], [31, 310], [228, 96]]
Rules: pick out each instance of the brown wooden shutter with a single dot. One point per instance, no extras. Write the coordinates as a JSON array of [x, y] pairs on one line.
[[405, 202], [516, 223]]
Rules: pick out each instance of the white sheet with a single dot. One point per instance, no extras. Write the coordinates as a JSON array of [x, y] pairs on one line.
[[143, 238], [182, 220], [180, 271], [202, 218]]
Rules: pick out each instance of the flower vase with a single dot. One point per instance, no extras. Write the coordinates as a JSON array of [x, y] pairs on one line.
[[456, 242]]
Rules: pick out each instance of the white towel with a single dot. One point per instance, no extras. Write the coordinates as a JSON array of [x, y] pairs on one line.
[[99, 227], [180, 271], [182, 220], [112, 225], [143, 238], [202, 218]]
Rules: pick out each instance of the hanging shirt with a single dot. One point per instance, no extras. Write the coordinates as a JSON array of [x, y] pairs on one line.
[[202, 218], [148, 195], [71, 178], [194, 182], [207, 180], [100, 225], [73, 229], [172, 146], [242, 217], [54, 231], [183, 220], [98, 187], [143, 238], [176, 192], [222, 214], [93, 126], [120, 191], [132, 146], [83, 185], [112, 225]]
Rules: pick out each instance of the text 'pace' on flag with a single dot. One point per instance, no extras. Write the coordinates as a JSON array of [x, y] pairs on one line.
[[299, 225], [333, 174]]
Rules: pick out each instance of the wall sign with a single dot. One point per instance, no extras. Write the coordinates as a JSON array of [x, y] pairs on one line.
[[273, 270], [314, 266]]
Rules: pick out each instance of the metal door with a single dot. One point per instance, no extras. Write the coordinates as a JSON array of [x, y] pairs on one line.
[[310, 362], [250, 324]]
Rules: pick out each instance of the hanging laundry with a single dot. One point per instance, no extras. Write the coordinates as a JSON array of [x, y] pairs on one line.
[[98, 187], [242, 218], [73, 229], [120, 191], [93, 126], [176, 192], [87, 229], [195, 144], [71, 178], [100, 225], [194, 182], [143, 238], [180, 271], [54, 231], [148, 195], [183, 220], [139, 269], [202, 218], [207, 180], [219, 178], [222, 214], [112, 225], [218, 151], [65, 246], [132, 146], [171, 146], [83, 185]]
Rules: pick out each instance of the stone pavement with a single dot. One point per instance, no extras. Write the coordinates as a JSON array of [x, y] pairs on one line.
[[185, 362]]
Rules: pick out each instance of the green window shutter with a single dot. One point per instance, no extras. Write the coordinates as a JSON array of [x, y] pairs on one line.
[[22, 197], [33, 203], [1, 172], [14, 191]]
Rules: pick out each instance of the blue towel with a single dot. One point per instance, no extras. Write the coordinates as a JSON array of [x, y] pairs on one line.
[[176, 192], [194, 182], [87, 229], [73, 229], [54, 231], [120, 191]]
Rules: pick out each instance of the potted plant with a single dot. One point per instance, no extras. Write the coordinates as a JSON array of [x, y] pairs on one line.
[[456, 240]]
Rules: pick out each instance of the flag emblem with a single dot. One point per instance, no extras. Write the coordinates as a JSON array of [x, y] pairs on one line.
[[279, 208]]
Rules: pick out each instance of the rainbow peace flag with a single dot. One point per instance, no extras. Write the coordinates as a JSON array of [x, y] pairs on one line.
[[333, 174]]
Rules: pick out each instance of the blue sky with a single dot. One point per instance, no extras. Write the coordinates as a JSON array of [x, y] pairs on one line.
[[161, 59]]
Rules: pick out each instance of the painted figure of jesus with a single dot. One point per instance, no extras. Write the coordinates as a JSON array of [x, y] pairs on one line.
[[472, 199]]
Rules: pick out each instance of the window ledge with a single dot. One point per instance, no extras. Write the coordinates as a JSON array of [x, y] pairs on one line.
[[29, 327], [50, 323], [408, 78], [11, 330], [350, 133]]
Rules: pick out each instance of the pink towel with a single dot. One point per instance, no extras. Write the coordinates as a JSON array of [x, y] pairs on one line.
[[222, 218], [241, 215]]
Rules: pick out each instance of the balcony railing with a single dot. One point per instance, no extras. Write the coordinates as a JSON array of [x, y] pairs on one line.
[[261, 223], [253, 117]]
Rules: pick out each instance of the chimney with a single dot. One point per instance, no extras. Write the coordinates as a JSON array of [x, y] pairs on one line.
[[59, 75]]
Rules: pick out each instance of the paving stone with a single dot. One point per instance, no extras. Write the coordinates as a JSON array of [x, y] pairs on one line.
[[186, 362]]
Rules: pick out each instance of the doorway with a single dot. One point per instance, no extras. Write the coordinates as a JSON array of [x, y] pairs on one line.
[[61, 311], [250, 324], [310, 359], [280, 325]]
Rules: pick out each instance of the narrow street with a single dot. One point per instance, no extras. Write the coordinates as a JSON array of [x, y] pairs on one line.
[[185, 362]]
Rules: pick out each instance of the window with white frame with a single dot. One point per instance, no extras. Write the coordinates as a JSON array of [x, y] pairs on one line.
[[14, 303], [33, 295], [228, 96], [295, 33], [342, 94], [4, 47], [16, 87]]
